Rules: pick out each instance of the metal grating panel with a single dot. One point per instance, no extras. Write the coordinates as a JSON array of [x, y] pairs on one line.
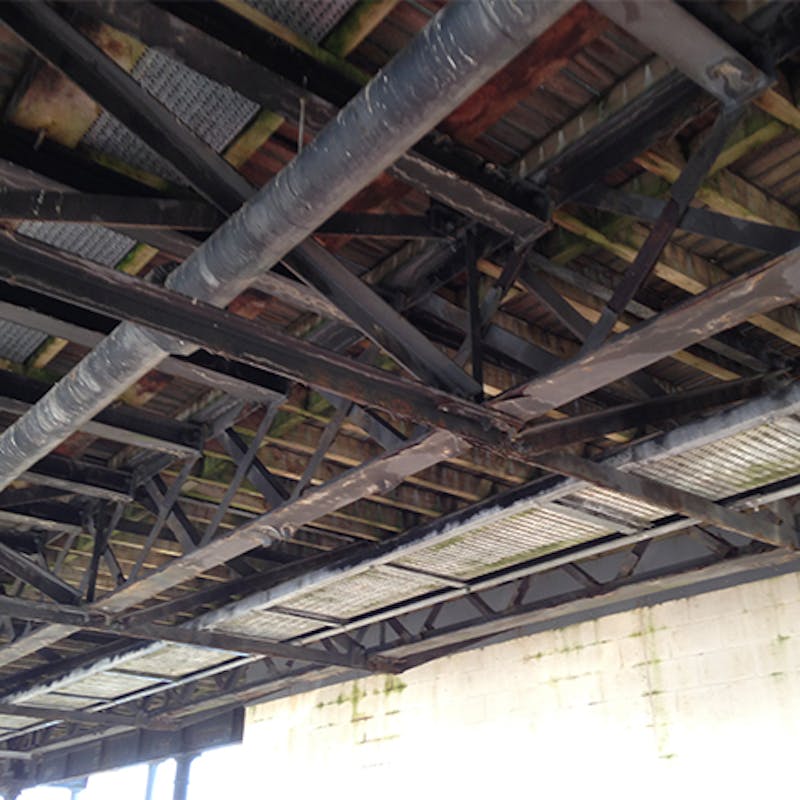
[[747, 460], [18, 343], [364, 592], [56, 700], [107, 685], [506, 541], [212, 111], [611, 504], [268, 625], [313, 19], [175, 660], [14, 723]]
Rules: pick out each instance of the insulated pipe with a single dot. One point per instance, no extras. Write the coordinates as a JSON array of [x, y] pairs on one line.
[[456, 53]]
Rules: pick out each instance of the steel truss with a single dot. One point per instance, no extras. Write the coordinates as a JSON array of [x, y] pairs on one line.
[[429, 409]]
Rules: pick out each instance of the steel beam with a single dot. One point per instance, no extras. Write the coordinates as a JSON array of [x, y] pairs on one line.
[[378, 320], [768, 238], [130, 426], [64, 320], [585, 427], [680, 195], [110, 292], [684, 41], [106, 719], [721, 307], [117, 211], [84, 478], [701, 317], [37, 576], [87, 176], [380, 226]]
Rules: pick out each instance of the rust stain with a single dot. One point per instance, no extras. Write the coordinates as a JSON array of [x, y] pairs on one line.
[[75, 446], [146, 388], [535, 65], [55, 105], [384, 191], [249, 304]]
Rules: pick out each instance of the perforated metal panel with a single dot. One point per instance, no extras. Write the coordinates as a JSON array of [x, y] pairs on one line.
[[212, 111], [313, 19], [18, 343], [91, 242], [506, 541], [57, 700]]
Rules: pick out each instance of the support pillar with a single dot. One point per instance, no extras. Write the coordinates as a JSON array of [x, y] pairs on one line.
[[183, 765], [151, 780]]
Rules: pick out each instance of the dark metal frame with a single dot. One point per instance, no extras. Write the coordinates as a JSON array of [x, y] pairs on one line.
[[444, 413]]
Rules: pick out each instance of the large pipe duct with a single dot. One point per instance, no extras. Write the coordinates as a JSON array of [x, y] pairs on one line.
[[458, 51]]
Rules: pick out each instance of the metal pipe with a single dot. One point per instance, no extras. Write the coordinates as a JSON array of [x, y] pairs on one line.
[[461, 47]]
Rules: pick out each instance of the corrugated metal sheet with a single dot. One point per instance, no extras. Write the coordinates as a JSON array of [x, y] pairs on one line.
[[313, 19]]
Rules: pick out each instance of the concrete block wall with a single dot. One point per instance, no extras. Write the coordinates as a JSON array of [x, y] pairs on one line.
[[699, 696]]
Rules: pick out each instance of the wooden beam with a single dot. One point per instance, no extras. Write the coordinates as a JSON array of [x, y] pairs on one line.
[[357, 24], [686, 270]]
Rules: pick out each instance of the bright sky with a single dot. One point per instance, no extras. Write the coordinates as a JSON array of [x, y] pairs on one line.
[[210, 778]]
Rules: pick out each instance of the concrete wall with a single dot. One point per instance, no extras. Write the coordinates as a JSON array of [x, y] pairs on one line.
[[698, 695]]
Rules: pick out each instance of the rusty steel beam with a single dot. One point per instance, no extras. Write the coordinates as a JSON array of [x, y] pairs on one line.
[[672, 32], [770, 286], [563, 433], [117, 211], [109, 292]]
